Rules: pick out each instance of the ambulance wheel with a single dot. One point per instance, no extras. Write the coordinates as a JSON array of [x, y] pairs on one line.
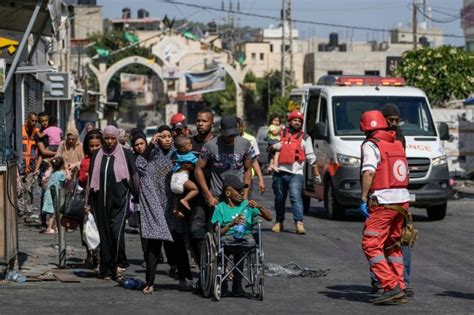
[[306, 203], [437, 213], [334, 210]]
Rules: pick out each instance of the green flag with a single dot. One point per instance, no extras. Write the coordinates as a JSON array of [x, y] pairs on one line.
[[241, 59], [102, 52], [187, 34], [131, 38]]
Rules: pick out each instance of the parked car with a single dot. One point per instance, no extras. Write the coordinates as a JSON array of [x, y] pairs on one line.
[[150, 132]]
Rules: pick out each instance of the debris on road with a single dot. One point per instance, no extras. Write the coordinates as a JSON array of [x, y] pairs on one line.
[[293, 270]]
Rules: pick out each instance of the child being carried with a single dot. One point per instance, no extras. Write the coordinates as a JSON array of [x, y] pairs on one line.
[[183, 166]]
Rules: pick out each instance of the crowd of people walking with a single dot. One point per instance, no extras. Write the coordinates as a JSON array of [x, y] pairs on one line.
[[179, 185]]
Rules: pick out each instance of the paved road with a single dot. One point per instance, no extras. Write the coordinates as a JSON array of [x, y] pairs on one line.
[[442, 273]]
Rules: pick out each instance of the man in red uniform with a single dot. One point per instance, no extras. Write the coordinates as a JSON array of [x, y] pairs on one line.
[[384, 184]]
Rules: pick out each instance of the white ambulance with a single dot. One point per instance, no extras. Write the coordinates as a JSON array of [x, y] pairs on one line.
[[332, 110]]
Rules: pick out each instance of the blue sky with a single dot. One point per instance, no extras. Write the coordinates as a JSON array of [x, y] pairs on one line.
[[366, 13]]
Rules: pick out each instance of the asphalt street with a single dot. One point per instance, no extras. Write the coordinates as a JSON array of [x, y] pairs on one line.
[[442, 272]]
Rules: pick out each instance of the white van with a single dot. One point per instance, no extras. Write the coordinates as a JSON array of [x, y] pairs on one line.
[[332, 112]]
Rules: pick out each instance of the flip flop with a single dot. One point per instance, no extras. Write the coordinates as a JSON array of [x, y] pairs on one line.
[[148, 290]]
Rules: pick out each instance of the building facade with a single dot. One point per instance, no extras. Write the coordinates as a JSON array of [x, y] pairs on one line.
[[467, 23], [331, 57], [264, 56]]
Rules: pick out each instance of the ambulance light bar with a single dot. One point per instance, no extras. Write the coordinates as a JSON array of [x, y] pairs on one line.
[[368, 80]]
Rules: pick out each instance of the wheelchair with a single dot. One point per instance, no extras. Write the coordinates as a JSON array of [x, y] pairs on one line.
[[214, 261]]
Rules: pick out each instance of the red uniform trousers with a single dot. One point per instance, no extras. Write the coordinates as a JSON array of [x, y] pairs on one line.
[[382, 229]]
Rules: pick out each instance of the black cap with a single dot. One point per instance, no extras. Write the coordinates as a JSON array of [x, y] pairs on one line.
[[179, 126], [390, 110], [234, 182], [229, 126]]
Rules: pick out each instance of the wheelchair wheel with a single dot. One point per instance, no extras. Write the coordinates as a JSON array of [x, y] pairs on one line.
[[217, 288], [208, 265], [256, 273]]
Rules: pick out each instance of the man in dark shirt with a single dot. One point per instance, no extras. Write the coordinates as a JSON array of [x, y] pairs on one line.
[[42, 143], [227, 154], [201, 213]]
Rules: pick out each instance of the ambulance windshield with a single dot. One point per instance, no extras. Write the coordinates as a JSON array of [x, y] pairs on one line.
[[415, 117]]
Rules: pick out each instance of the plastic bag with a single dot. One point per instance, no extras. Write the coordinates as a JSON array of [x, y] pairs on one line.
[[90, 232]]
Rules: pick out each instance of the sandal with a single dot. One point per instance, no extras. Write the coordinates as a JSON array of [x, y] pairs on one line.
[[51, 232], [148, 290], [120, 274]]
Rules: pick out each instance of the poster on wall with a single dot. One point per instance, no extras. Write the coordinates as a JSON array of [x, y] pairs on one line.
[[206, 81], [134, 83]]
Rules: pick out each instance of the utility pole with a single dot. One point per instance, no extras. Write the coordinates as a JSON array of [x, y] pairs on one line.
[[415, 24], [283, 49], [286, 37], [290, 32]]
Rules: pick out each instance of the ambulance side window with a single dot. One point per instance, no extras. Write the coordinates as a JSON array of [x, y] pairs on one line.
[[311, 112], [323, 113]]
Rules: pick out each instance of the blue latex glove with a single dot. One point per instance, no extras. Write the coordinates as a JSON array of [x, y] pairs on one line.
[[363, 208]]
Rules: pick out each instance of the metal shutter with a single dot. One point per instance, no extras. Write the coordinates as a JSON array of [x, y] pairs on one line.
[[33, 95]]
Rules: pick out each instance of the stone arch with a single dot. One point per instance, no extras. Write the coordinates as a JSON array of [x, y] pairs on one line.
[[129, 61], [104, 74]]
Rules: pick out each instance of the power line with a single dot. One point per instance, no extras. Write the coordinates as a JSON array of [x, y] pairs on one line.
[[452, 19], [353, 27]]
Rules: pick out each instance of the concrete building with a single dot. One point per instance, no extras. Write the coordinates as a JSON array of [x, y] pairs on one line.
[[85, 20], [467, 23], [431, 37], [368, 58], [264, 56]]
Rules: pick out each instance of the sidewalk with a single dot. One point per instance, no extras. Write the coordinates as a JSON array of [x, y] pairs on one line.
[[38, 257], [38, 252]]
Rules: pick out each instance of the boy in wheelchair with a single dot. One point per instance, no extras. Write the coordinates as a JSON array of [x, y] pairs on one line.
[[229, 214]]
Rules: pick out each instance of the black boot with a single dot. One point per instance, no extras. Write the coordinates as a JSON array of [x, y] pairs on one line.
[[389, 295]]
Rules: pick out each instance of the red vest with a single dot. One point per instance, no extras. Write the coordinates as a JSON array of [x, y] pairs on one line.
[[291, 150], [392, 172]]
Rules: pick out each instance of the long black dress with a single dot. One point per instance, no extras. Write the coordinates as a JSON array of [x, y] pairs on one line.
[[110, 209]]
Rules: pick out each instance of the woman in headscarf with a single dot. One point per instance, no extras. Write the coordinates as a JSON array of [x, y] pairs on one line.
[[152, 171], [112, 179], [71, 150], [176, 250], [92, 143]]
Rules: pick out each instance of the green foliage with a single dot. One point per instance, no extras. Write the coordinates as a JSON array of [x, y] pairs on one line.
[[223, 102], [262, 97], [444, 73], [279, 106], [113, 41]]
